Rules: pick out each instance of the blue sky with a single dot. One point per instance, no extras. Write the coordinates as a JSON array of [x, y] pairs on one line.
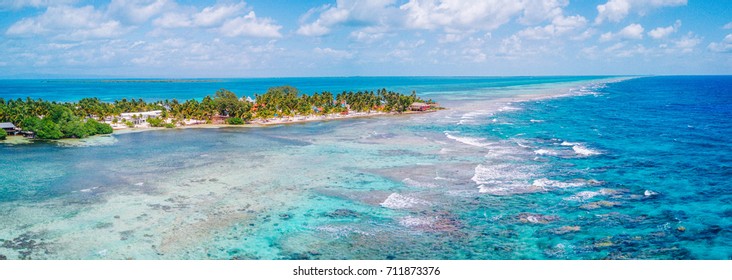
[[260, 38]]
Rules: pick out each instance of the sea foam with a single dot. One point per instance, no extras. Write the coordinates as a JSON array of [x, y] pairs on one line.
[[546, 152], [477, 142], [548, 183], [584, 151], [504, 179], [398, 201], [565, 143]]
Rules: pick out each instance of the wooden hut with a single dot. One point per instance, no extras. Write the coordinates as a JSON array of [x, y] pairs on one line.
[[10, 128]]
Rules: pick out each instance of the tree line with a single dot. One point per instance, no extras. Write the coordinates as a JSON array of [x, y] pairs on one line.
[[54, 120]]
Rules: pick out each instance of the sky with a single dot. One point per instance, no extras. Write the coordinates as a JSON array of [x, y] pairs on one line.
[[278, 38]]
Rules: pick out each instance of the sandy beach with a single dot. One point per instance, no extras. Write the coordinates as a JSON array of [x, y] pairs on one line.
[[273, 121]]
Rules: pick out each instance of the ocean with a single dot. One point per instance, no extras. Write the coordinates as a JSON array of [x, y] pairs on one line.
[[515, 168]]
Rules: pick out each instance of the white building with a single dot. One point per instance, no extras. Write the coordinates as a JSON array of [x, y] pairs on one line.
[[140, 117]]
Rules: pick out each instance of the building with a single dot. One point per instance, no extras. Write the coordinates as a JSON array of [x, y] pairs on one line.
[[140, 117], [419, 106], [10, 128]]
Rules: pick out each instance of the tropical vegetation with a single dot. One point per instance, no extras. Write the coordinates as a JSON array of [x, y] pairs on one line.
[[54, 120]]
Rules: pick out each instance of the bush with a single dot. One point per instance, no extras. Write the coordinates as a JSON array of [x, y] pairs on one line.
[[235, 121], [94, 127], [129, 124], [3, 134], [169, 125], [74, 129], [47, 129], [155, 122]]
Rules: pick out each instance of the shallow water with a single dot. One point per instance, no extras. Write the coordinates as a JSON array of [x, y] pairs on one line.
[[634, 169]]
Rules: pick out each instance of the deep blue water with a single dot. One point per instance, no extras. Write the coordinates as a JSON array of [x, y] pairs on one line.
[[637, 169], [666, 135]]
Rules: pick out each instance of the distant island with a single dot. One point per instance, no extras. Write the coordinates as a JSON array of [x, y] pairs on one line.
[[41, 119]]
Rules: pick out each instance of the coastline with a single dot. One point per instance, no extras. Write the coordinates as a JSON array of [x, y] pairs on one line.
[[276, 121], [380, 182], [491, 106], [558, 92]]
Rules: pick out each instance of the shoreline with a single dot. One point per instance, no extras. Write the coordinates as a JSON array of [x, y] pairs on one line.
[[495, 106], [545, 94], [275, 122]]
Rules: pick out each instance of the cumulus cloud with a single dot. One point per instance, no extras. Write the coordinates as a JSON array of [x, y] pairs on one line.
[[69, 23], [631, 32], [727, 26], [173, 20], [687, 43], [250, 25], [138, 11], [348, 12], [231, 20], [537, 11], [617, 10], [455, 14], [338, 54], [211, 16], [18, 4], [663, 32], [458, 19], [215, 15], [560, 25], [725, 46]]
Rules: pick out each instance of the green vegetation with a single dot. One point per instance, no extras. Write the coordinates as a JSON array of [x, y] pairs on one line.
[[3, 134], [169, 125], [235, 121], [155, 122], [52, 120]]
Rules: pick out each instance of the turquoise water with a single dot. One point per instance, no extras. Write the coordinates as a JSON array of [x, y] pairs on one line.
[[607, 169], [153, 90]]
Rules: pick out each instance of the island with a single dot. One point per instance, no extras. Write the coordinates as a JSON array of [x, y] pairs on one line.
[[41, 119]]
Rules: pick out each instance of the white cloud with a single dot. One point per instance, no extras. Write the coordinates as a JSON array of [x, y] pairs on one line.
[[456, 14], [510, 46], [69, 23], [366, 36], [631, 32], [537, 11], [617, 10], [451, 37], [588, 33], [337, 54], [475, 55], [348, 12], [208, 54], [687, 43], [663, 32], [138, 11], [18, 4], [727, 26], [173, 20], [231, 20], [250, 25], [725, 46], [215, 15], [560, 25], [211, 16]]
